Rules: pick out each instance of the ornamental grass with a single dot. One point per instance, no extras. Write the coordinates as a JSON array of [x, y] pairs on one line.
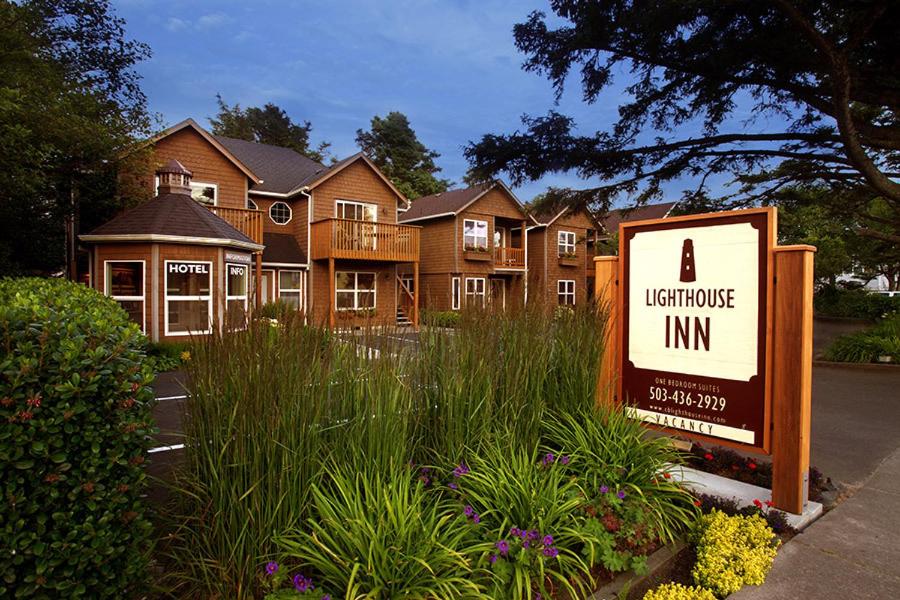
[[363, 465]]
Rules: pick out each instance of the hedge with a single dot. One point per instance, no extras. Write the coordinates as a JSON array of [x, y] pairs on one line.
[[75, 427], [854, 303]]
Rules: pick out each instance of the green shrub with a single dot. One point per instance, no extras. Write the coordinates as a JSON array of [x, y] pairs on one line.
[[533, 509], [854, 303], [732, 552], [167, 356], [75, 425], [867, 346], [445, 318], [374, 534], [278, 310], [676, 591], [608, 450]]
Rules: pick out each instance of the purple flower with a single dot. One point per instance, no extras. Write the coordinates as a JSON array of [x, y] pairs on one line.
[[551, 552], [534, 534], [621, 494], [476, 519], [548, 458], [523, 534], [526, 544], [492, 559], [271, 567], [453, 486], [468, 511], [503, 547], [515, 532], [604, 489], [326, 597], [302, 584], [548, 540], [460, 470], [564, 460]]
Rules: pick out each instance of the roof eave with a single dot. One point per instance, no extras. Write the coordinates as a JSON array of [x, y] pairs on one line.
[[171, 239]]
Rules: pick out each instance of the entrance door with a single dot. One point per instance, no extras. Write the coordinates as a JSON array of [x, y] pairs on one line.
[[266, 290], [498, 293]]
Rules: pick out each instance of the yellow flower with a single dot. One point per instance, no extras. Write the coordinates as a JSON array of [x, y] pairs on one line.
[[185, 356], [733, 552], [676, 591]]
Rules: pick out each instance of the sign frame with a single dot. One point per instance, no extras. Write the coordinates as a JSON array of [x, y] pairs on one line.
[[627, 231]]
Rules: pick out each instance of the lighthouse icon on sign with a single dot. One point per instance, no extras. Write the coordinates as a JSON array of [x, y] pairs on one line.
[[688, 270]]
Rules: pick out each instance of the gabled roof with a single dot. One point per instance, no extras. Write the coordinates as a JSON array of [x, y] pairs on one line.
[[450, 203], [283, 170], [612, 219], [323, 176], [175, 218], [190, 123], [282, 248], [549, 217]]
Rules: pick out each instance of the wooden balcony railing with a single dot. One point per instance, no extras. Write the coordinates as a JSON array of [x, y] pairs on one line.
[[509, 258], [364, 240], [247, 221]]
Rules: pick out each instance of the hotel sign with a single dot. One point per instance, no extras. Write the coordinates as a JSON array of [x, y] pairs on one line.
[[696, 298]]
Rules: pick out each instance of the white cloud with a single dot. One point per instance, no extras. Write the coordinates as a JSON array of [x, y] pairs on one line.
[[175, 24], [213, 20]]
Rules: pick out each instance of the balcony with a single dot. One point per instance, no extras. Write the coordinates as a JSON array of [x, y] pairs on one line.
[[364, 240], [247, 221], [509, 258]]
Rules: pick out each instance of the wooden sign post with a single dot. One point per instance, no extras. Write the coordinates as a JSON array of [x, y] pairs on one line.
[[709, 336]]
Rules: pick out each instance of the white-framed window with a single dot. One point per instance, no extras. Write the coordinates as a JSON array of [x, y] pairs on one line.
[[475, 294], [280, 213], [475, 235], [454, 293], [188, 297], [124, 283], [566, 243], [252, 205], [358, 211], [354, 291], [237, 284], [565, 292], [290, 288], [202, 192]]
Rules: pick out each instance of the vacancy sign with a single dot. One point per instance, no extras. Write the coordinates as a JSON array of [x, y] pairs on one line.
[[695, 298]]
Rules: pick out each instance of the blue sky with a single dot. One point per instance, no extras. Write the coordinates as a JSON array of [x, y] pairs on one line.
[[451, 67]]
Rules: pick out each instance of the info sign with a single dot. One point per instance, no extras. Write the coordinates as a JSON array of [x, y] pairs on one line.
[[696, 312]]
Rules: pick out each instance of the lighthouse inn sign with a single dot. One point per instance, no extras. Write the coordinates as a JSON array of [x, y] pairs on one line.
[[695, 295]]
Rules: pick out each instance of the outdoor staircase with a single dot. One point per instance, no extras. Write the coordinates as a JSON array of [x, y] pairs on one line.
[[402, 317]]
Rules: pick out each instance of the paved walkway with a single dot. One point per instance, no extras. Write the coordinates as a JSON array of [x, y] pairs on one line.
[[854, 550], [851, 552]]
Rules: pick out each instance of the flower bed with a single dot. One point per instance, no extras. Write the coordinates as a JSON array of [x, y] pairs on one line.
[[474, 466], [728, 463]]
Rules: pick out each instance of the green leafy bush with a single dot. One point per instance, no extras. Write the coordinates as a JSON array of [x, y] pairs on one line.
[[732, 551], [870, 345], [445, 318], [854, 303], [676, 591], [374, 534], [533, 511], [609, 451], [75, 423], [278, 310], [167, 356]]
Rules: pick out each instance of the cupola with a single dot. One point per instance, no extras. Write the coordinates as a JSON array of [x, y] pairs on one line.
[[174, 178]]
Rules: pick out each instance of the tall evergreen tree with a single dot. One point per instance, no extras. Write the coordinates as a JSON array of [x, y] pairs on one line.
[[392, 144], [70, 101], [785, 92], [267, 125]]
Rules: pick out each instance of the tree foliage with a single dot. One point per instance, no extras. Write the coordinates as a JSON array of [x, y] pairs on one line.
[[393, 146], [819, 79], [70, 100], [267, 125]]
